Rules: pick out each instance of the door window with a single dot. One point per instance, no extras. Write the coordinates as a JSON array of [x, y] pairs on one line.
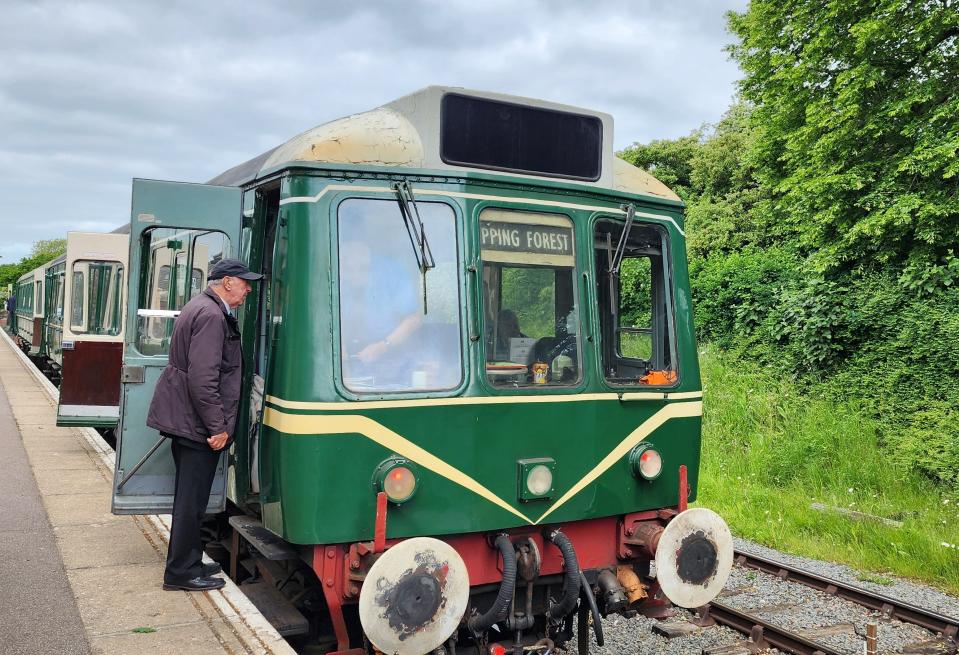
[[399, 328], [531, 323], [167, 254], [96, 304]]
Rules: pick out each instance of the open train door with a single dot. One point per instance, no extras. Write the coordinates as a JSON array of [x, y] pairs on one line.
[[177, 232]]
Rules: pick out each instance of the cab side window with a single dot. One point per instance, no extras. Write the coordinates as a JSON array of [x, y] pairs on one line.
[[635, 301]]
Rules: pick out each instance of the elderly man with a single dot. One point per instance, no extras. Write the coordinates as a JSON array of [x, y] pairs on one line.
[[195, 405]]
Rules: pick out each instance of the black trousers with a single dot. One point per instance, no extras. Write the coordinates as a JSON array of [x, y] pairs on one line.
[[195, 469]]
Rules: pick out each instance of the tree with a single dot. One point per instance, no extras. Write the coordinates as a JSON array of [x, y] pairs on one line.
[[47, 249], [712, 171], [42, 252], [857, 136]]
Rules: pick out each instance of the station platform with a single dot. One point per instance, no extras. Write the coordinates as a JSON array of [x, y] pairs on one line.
[[74, 578]]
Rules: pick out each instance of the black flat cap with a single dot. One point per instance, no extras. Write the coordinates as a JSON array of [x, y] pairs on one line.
[[233, 268]]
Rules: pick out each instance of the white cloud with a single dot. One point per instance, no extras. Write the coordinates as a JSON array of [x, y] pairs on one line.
[[95, 93]]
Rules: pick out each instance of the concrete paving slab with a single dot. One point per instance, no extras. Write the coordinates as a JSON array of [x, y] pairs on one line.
[[42, 430], [172, 640], [117, 599], [55, 459], [70, 481], [107, 544], [69, 444], [33, 403], [80, 509]]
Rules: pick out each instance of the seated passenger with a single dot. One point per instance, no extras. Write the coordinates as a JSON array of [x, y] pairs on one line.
[[507, 327]]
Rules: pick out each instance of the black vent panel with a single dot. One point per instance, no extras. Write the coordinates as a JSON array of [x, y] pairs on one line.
[[484, 133]]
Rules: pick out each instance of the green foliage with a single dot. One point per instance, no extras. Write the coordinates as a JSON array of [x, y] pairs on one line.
[[823, 212], [855, 119], [529, 292], [47, 249], [636, 290], [42, 252], [771, 447], [669, 160]]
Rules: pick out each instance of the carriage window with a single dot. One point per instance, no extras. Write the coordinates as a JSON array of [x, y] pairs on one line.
[[167, 255], [636, 309], [529, 299], [396, 335], [77, 324], [97, 304]]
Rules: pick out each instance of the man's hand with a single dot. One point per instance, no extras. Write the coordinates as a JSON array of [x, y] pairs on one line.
[[372, 352], [217, 441]]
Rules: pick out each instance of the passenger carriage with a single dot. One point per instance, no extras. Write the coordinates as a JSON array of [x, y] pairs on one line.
[[87, 342], [471, 393], [70, 320], [31, 307]]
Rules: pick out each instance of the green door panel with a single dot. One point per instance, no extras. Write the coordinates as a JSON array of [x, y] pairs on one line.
[[190, 210]]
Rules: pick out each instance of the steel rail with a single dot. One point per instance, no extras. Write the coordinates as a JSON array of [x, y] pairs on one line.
[[890, 607], [764, 634]]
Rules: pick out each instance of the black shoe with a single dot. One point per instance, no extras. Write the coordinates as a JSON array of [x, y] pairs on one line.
[[210, 569], [196, 584]]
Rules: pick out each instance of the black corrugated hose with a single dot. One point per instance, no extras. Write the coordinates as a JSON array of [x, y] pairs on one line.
[[483, 622], [572, 580]]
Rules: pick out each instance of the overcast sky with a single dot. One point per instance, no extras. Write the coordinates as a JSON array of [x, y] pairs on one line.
[[93, 94]]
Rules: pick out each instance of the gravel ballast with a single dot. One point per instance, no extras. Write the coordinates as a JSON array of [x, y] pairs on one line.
[[789, 605]]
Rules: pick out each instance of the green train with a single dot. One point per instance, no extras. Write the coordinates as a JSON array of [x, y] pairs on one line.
[[472, 404]]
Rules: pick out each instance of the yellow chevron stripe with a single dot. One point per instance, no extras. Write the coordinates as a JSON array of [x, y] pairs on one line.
[[676, 410], [300, 424], [363, 425]]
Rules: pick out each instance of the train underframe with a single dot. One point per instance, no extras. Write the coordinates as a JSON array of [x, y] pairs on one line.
[[528, 587]]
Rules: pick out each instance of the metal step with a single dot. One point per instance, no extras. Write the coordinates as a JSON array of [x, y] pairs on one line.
[[274, 606], [267, 543]]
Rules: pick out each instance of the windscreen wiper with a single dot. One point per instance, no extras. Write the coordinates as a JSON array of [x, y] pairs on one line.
[[615, 261], [617, 257], [415, 230]]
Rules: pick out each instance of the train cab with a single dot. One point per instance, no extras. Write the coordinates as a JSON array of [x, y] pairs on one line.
[[470, 371]]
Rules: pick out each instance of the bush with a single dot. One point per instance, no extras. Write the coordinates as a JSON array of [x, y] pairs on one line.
[[865, 338]]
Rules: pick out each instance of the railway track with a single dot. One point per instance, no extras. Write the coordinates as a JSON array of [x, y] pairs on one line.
[[888, 607], [764, 633]]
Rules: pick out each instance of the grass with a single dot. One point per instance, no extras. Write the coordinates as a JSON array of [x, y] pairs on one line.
[[769, 452]]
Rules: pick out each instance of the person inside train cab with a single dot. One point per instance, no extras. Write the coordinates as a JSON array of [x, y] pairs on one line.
[[195, 405], [507, 328], [379, 308]]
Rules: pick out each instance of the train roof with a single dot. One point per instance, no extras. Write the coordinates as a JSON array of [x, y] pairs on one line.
[[406, 133], [40, 270]]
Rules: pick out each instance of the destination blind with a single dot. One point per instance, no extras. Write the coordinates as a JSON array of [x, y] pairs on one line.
[[524, 238]]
